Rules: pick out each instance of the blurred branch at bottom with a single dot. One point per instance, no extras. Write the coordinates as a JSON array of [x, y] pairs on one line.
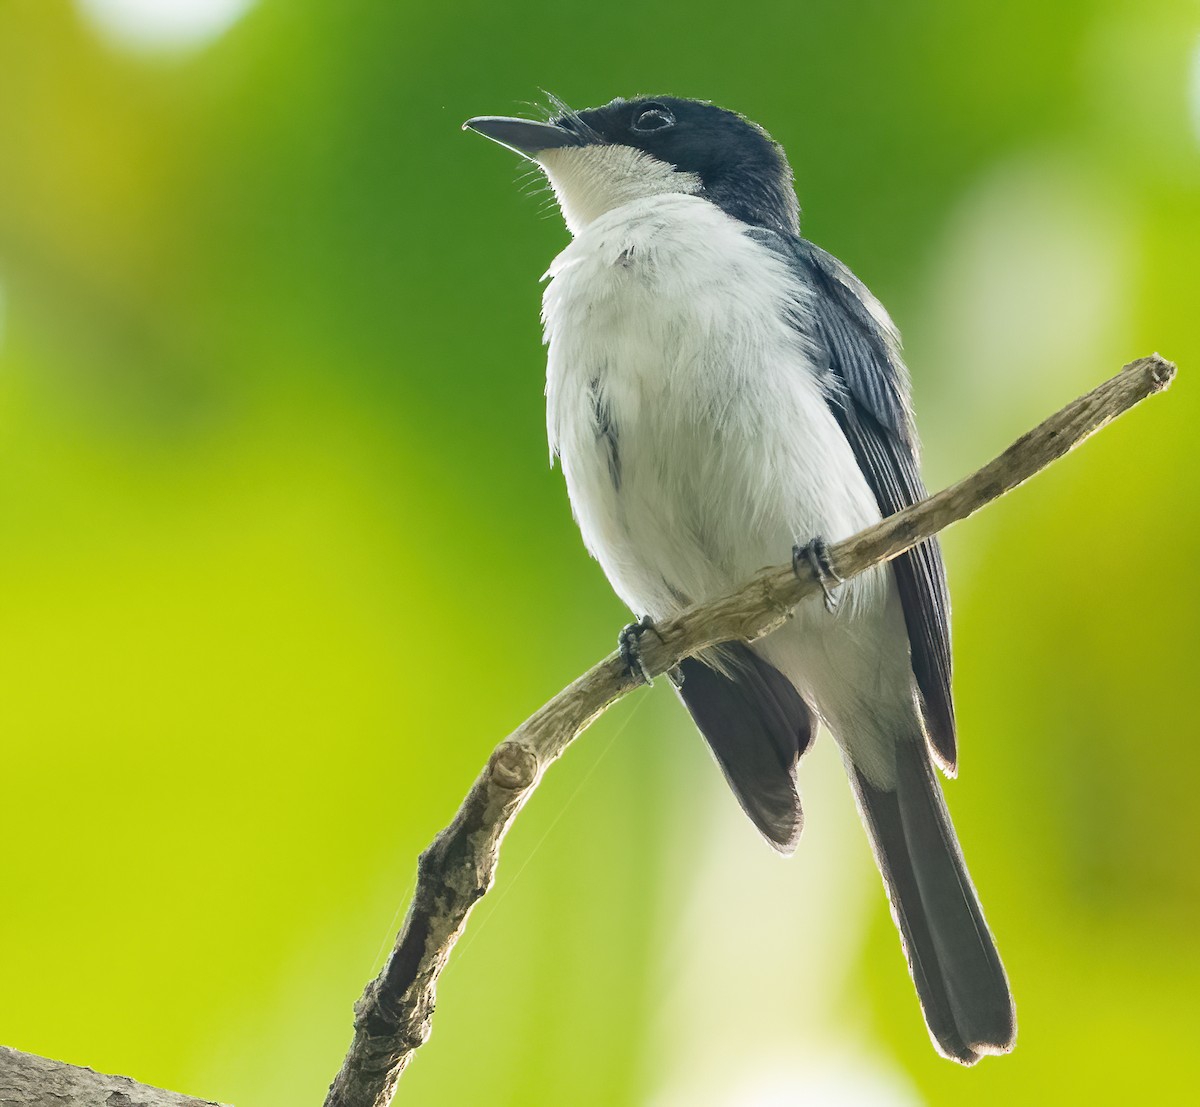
[[27, 1080], [393, 1017]]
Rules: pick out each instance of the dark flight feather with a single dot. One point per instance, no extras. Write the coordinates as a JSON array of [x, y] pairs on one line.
[[868, 394], [757, 727]]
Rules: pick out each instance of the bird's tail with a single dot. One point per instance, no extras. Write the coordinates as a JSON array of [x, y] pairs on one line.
[[951, 953]]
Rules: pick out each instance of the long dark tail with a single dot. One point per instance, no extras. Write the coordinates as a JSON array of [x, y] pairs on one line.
[[951, 953]]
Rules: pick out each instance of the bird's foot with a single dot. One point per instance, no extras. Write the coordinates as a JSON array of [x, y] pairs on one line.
[[629, 646], [816, 556]]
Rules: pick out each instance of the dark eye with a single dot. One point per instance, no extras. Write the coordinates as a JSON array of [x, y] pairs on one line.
[[653, 117]]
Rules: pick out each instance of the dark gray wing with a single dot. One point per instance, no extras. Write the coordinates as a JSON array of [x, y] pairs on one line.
[[868, 394], [757, 726]]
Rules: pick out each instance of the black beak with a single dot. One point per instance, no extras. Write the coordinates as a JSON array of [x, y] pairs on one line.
[[526, 136]]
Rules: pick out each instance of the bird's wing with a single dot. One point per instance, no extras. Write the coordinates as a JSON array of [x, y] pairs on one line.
[[868, 393], [757, 727]]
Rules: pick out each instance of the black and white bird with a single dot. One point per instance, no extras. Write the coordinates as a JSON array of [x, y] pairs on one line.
[[720, 391]]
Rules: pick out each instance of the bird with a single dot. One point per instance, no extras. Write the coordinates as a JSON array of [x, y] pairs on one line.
[[721, 393]]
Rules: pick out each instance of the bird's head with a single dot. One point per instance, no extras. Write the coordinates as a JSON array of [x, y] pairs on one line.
[[601, 158]]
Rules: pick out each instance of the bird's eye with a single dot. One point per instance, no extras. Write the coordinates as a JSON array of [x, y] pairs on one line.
[[653, 117]]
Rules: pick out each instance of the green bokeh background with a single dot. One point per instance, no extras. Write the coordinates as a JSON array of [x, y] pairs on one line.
[[281, 559]]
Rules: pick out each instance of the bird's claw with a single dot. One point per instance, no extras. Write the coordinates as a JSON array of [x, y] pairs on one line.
[[815, 556], [629, 646]]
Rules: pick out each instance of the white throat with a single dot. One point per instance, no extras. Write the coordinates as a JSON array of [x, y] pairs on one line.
[[591, 180]]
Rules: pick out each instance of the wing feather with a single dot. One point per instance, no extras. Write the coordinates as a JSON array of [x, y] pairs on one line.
[[757, 727], [868, 392]]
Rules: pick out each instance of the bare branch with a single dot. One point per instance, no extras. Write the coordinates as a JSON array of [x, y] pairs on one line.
[[393, 1017], [29, 1081]]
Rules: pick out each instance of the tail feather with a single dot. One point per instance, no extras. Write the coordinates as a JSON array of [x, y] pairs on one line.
[[951, 953]]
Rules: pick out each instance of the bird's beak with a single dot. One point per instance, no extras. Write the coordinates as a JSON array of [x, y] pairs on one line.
[[526, 136]]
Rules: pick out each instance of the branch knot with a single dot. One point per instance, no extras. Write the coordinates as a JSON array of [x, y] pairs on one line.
[[513, 766]]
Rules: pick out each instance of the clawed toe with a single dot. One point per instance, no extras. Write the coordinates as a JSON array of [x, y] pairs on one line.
[[629, 645], [816, 557]]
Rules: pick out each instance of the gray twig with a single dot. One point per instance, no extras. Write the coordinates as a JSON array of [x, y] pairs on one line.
[[30, 1081], [392, 1020]]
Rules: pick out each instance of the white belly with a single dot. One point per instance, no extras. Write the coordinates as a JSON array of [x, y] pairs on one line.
[[686, 409]]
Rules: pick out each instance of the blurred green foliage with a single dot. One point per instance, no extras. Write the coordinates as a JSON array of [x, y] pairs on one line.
[[280, 559]]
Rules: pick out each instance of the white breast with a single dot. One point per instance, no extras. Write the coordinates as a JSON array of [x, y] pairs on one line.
[[670, 347]]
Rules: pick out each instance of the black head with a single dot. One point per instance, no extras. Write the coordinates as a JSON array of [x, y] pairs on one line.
[[715, 153], [741, 169]]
